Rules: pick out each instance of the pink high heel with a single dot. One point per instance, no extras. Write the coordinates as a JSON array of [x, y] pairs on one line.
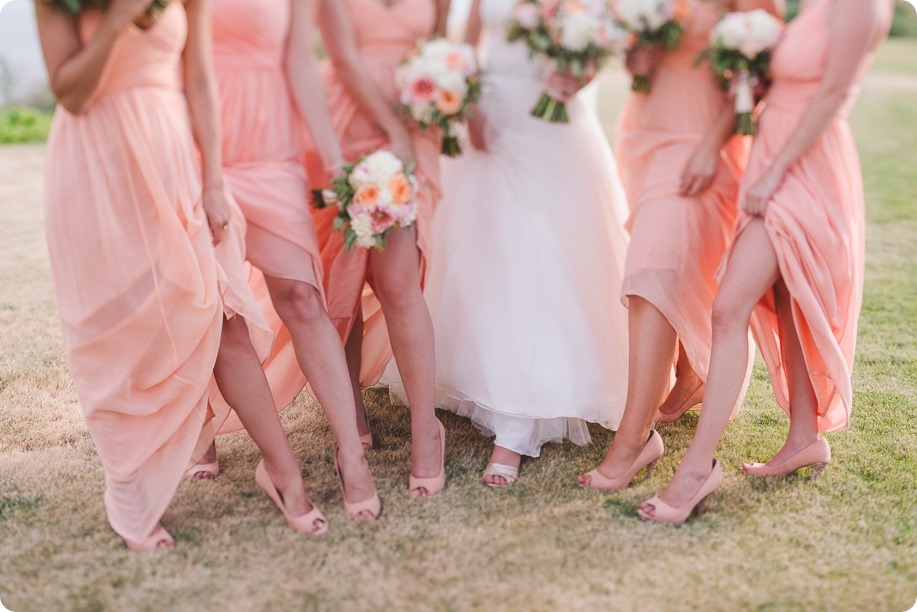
[[159, 539], [432, 485], [373, 505], [817, 455], [310, 523], [652, 450], [664, 513], [692, 401]]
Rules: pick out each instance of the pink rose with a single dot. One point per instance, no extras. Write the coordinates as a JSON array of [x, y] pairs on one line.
[[422, 90], [382, 220], [527, 16]]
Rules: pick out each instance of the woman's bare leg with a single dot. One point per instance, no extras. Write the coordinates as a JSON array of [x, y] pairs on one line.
[[354, 351], [397, 274], [751, 271], [689, 387], [242, 382], [652, 347], [321, 357]]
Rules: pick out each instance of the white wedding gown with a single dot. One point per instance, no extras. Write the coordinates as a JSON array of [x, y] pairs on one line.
[[527, 257]]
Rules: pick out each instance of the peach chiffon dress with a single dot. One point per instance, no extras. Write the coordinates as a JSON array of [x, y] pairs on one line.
[[263, 152], [384, 35], [815, 222], [137, 280], [677, 243]]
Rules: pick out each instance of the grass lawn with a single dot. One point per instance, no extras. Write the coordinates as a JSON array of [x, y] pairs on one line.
[[22, 125], [847, 542]]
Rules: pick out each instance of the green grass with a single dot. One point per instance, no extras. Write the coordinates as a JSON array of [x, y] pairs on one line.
[[23, 125], [847, 542]]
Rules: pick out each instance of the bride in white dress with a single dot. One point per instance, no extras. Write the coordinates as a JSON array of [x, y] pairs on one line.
[[525, 277]]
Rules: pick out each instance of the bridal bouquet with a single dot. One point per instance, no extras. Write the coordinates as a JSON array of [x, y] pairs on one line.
[[652, 22], [373, 197], [75, 7], [439, 82], [577, 35], [740, 51]]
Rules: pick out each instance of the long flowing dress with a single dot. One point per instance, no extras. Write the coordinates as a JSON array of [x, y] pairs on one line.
[[136, 279], [263, 152], [384, 36], [815, 222], [677, 243], [528, 253]]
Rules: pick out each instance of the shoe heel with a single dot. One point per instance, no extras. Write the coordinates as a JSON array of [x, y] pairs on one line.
[[817, 469]]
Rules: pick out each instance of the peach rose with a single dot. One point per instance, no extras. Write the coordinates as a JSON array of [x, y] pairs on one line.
[[366, 195], [423, 90], [448, 103], [400, 188], [681, 11]]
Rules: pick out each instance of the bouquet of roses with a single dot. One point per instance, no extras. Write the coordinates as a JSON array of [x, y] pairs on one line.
[[652, 22], [439, 81], [740, 51], [373, 197], [75, 7], [577, 35]]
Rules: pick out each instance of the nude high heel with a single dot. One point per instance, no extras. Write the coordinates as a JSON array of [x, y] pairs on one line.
[[432, 485], [652, 450], [817, 455], [159, 539], [373, 505], [664, 513], [693, 400], [310, 523]]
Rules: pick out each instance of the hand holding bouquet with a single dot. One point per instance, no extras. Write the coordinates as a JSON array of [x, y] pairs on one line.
[[577, 35], [439, 82], [740, 51], [75, 7], [652, 22], [373, 197]]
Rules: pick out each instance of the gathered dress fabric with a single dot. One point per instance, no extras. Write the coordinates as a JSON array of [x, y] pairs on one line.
[[263, 153], [528, 253], [384, 36], [677, 242], [141, 290], [815, 222]]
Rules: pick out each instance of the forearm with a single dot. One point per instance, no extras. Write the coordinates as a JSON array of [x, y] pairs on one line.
[[309, 98], [205, 125], [821, 112], [721, 130]]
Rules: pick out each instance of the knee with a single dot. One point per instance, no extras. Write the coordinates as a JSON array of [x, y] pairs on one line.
[[302, 305], [235, 336], [398, 293], [730, 314]]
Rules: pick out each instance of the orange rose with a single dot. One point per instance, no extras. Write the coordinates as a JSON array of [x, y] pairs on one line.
[[456, 61], [367, 194], [681, 11], [448, 103], [400, 188]]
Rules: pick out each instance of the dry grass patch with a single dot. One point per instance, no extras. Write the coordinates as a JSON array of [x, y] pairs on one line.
[[846, 542]]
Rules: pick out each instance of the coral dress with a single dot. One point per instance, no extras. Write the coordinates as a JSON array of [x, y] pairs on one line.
[[815, 222], [135, 274], [528, 255], [263, 165], [677, 243], [384, 35]]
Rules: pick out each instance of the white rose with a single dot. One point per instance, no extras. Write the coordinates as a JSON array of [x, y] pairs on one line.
[[383, 165], [452, 81], [527, 16], [577, 31], [763, 32], [731, 31]]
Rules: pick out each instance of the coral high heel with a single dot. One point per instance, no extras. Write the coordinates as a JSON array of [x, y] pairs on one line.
[[159, 539], [311, 523], [816, 455], [356, 510], [432, 485], [652, 450], [664, 513]]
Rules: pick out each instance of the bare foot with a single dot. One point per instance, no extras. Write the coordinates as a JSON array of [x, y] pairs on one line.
[[503, 456], [687, 392]]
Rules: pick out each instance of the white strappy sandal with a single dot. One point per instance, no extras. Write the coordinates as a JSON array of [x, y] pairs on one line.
[[507, 472]]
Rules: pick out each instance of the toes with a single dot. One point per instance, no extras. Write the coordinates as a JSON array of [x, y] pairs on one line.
[[584, 480], [420, 492]]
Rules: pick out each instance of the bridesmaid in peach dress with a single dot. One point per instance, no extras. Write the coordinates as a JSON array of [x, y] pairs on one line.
[[366, 40], [268, 77], [796, 266], [138, 282], [681, 168]]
